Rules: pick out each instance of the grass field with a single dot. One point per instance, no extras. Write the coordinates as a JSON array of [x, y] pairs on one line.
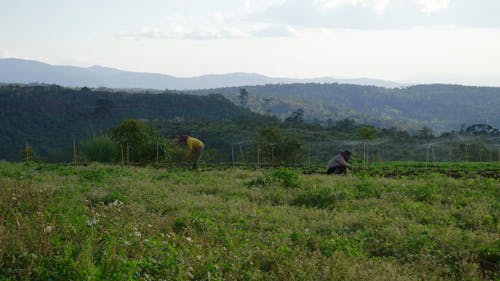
[[100, 222]]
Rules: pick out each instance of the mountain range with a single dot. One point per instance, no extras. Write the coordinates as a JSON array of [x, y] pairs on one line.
[[14, 70]]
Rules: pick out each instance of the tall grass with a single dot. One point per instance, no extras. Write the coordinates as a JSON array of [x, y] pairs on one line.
[[127, 223]]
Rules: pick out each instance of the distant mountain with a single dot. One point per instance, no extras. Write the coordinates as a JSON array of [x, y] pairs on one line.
[[29, 71]]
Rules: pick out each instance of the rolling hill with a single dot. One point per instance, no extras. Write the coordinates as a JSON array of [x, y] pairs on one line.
[[50, 117]]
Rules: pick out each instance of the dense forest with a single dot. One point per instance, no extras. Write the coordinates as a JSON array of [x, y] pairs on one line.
[[53, 123], [50, 117], [440, 107]]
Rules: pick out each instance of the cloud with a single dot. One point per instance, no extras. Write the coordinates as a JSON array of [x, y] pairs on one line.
[[375, 5], [288, 18], [431, 6], [381, 14], [424, 6], [274, 31], [180, 31], [252, 6]]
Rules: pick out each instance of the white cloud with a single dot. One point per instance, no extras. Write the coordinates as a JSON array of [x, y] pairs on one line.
[[431, 6], [274, 31], [182, 31], [425, 6], [252, 6], [376, 5]]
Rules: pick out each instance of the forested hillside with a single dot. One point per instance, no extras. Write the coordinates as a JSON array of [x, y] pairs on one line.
[[50, 117], [440, 107]]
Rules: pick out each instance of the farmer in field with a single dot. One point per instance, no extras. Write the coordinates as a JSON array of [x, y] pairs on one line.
[[195, 148], [339, 163]]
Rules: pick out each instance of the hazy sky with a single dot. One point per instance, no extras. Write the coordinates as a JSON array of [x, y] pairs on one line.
[[453, 41]]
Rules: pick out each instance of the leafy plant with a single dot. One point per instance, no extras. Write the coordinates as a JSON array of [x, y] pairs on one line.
[[100, 149]]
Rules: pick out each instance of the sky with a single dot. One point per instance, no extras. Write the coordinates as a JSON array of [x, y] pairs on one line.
[[409, 41]]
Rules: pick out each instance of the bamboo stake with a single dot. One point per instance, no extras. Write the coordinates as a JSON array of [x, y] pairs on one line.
[[242, 155], [232, 152], [128, 154], [27, 152], [308, 156], [74, 151], [258, 155]]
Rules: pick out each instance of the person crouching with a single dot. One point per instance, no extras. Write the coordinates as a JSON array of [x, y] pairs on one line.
[[339, 163]]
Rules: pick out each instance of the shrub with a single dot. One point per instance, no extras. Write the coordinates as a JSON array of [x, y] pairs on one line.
[[288, 178], [100, 149]]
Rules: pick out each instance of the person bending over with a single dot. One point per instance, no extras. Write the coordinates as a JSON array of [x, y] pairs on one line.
[[195, 148]]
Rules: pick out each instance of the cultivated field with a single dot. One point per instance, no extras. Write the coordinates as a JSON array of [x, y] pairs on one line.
[[102, 222]]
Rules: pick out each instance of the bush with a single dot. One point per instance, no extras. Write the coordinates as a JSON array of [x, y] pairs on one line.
[[100, 149], [286, 177]]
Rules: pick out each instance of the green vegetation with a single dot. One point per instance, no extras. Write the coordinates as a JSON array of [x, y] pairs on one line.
[[440, 107], [42, 122], [48, 118], [104, 222]]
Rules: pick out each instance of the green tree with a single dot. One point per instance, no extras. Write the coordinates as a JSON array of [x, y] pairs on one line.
[[277, 147], [243, 97], [100, 149], [27, 153], [296, 118], [139, 141]]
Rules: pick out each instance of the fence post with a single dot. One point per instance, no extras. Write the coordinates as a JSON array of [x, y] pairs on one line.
[[232, 153], [242, 156], [27, 152], [308, 156], [74, 151], [258, 155], [157, 154], [466, 153], [128, 154], [272, 155]]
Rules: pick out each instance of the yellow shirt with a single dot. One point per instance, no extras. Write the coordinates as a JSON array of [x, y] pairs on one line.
[[194, 144]]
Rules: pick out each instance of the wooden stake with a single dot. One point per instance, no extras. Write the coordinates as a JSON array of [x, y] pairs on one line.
[[27, 153], [242, 155], [74, 151], [308, 157], [258, 155], [232, 153], [128, 154]]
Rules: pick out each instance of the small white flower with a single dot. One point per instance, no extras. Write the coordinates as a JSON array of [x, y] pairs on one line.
[[48, 228], [189, 239], [137, 234]]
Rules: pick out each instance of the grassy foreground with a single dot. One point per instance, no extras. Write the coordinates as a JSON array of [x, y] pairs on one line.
[[127, 223]]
